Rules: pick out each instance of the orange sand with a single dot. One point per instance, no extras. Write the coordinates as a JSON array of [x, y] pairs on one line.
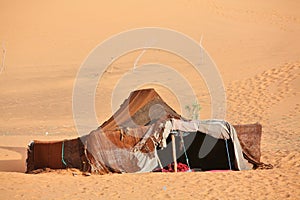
[[256, 46]]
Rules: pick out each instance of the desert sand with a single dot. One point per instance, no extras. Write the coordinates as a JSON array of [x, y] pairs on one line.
[[255, 45]]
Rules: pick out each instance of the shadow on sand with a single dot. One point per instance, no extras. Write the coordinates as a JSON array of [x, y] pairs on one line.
[[14, 165]]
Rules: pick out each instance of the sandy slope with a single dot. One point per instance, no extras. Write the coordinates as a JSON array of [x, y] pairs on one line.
[[256, 46]]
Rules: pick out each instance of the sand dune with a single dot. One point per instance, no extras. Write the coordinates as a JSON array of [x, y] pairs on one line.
[[255, 45]]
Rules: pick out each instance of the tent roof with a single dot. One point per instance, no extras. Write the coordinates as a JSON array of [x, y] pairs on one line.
[[141, 108]]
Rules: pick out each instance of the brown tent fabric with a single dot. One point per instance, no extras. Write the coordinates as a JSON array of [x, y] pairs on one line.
[[128, 150], [135, 111], [56, 155], [250, 136], [126, 142], [48, 153], [141, 109]]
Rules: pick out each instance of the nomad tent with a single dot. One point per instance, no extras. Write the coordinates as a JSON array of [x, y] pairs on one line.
[[138, 138]]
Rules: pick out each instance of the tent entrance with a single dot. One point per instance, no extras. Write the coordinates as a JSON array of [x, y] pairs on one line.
[[213, 155]]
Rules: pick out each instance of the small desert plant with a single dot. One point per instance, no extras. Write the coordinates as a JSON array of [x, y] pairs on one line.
[[193, 110]]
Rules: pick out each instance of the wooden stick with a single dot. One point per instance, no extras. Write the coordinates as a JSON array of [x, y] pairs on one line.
[[174, 152]]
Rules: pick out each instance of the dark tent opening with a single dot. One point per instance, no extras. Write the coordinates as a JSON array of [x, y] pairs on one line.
[[216, 157]]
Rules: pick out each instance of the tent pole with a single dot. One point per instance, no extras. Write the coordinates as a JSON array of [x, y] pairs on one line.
[[174, 152], [228, 156]]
